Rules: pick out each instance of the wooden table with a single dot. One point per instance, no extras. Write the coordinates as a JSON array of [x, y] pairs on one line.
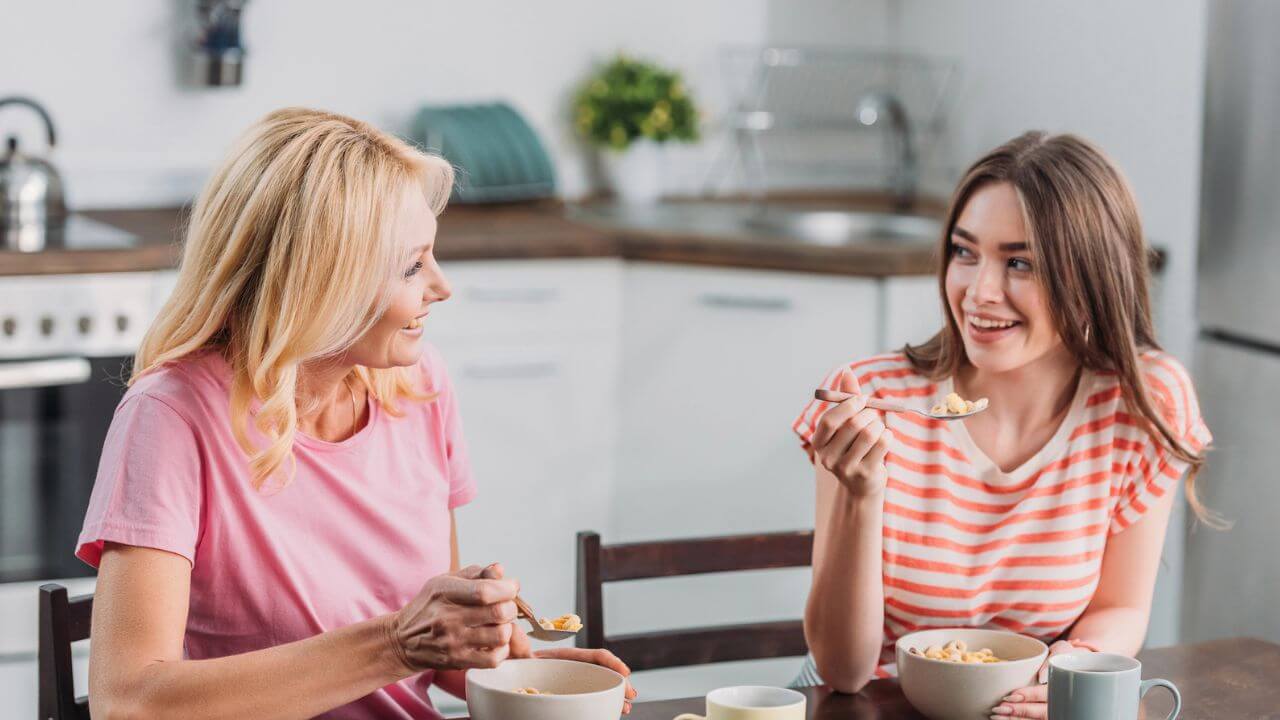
[[1219, 680]]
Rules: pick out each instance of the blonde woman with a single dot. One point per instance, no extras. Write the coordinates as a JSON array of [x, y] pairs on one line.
[[272, 520], [1046, 513]]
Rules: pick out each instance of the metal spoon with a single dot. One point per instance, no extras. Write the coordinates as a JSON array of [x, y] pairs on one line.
[[539, 632], [836, 396]]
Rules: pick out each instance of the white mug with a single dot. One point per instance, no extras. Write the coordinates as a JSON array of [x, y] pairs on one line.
[[751, 702]]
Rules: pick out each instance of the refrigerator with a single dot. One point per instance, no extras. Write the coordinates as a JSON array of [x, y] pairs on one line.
[[1232, 577]]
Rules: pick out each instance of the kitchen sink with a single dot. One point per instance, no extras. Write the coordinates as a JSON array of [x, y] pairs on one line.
[[743, 221], [843, 227]]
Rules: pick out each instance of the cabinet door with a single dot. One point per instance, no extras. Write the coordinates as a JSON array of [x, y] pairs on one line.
[[530, 299], [912, 311], [539, 423], [716, 365]]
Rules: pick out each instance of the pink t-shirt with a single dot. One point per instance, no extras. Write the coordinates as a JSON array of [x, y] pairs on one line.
[[363, 524]]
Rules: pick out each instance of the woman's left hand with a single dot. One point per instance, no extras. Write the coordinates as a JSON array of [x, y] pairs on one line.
[[1032, 701], [520, 648]]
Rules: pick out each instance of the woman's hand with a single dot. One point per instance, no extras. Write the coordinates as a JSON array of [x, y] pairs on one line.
[[520, 648], [851, 442], [1032, 701], [460, 620]]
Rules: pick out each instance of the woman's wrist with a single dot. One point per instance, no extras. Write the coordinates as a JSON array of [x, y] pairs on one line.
[[397, 659]]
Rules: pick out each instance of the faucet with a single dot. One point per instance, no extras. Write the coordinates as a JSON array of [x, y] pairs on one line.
[[881, 106]]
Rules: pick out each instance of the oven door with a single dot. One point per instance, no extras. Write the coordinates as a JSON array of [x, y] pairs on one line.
[[54, 415]]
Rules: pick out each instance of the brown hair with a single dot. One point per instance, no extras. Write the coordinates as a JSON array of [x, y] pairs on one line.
[[1091, 260]]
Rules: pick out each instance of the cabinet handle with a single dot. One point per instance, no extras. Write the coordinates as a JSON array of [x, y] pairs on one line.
[[508, 371], [745, 302], [529, 296]]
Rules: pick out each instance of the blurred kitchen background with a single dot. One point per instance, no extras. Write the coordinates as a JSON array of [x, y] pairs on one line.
[[628, 364]]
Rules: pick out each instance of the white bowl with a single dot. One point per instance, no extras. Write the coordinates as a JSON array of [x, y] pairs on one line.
[[579, 691], [942, 690]]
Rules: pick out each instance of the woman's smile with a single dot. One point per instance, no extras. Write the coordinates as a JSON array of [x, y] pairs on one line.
[[984, 328], [414, 326]]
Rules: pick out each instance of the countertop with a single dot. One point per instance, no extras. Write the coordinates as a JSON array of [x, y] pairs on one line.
[[545, 229], [526, 231]]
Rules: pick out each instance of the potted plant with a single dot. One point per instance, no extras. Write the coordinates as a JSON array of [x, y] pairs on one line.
[[628, 109]]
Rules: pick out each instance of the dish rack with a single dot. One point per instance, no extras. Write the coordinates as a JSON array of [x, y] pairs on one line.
[[830, 118], [496, 153]]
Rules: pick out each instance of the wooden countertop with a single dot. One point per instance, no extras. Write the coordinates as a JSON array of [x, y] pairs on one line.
[[535, 230], [516, 231]]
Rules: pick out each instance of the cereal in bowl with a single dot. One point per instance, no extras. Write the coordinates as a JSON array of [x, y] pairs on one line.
[[956, 651]]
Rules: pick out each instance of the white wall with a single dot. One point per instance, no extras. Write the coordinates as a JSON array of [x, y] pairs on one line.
[[133, 135]]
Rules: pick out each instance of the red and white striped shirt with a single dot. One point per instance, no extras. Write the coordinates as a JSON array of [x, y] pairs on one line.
[[968, 545]]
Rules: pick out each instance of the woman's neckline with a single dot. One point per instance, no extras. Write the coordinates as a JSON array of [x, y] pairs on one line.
[[1054, 445]]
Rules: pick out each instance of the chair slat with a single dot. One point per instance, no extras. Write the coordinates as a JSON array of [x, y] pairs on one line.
[[699, 646], [671, 558], [598, 564]]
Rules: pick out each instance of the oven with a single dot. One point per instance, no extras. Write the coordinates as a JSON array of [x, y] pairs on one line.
[[66, 344], [54, 414]]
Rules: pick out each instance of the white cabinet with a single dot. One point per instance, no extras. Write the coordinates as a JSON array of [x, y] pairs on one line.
[[716, 364], [911, 310], [539, 422], [532, 348]]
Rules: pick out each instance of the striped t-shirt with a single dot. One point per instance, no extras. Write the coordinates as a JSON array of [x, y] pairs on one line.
[[968, 545]]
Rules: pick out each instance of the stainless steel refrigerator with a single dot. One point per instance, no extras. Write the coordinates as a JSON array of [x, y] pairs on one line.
[[1233, 577]]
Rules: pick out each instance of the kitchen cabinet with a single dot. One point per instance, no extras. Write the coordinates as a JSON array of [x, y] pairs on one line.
[[532, 349], [539, 423], [715, 365], [911, 310]]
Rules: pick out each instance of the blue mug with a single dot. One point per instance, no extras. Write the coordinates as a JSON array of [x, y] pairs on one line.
[[1089, 686]]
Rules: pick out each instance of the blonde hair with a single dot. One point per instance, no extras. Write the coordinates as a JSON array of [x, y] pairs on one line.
[[1092, 261], [287, 259]]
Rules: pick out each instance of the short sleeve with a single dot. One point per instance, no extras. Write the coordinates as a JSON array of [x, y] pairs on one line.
[[803, 426], [462, 486], [148, 490], [1152, 471]]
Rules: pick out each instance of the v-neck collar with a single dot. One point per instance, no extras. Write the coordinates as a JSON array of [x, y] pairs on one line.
[[1056, 445]]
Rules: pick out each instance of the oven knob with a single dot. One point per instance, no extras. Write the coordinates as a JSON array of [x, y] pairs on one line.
[[9, 326], [85, 323], [122, 323], [46, 325]]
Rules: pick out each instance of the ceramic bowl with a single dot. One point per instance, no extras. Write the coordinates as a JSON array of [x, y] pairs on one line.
[[579, 691], [942, 690]]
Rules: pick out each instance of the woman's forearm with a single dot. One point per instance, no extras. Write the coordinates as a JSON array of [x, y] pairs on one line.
[[296, 680], [1112, 629], [844, 617]]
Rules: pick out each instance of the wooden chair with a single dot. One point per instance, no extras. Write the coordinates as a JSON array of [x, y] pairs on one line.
[[63, 621], [599, 564]]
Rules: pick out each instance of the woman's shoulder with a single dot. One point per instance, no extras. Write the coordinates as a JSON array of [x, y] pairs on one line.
[[1169, 384], [184, 385]]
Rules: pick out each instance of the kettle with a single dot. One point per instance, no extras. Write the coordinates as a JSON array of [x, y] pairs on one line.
[[33, 212]]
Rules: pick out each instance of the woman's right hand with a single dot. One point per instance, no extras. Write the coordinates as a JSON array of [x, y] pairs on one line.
[[457, 621], [851, 441]]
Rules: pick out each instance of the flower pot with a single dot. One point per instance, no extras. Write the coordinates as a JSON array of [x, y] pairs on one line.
[[636, 174]]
